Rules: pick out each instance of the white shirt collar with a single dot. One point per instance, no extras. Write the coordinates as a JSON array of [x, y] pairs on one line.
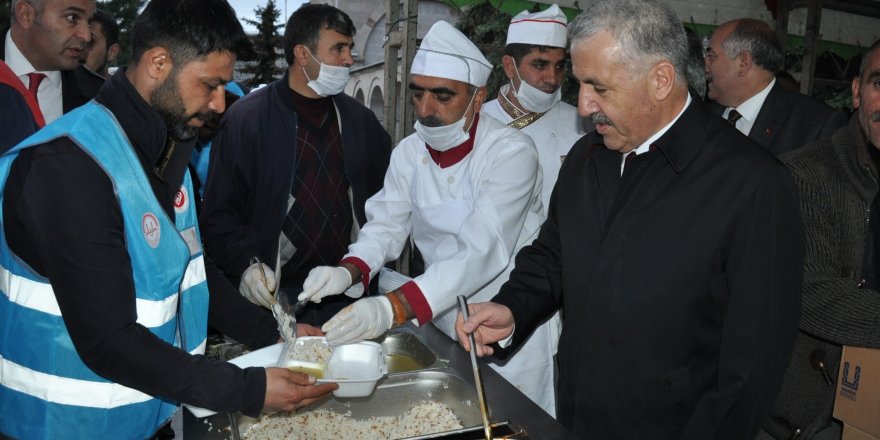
[[645, 146], [750, 108], [21, 66]]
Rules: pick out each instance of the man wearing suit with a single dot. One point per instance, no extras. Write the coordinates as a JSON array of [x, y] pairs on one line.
[[679, 275], [742, 60], [43, 48]]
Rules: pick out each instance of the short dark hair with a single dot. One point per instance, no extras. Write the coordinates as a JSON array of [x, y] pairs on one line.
[[519, 50], [758, 38], [188, 29], [305, 24], [109, 26]]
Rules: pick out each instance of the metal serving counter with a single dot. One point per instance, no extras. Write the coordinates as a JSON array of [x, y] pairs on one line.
[[506, 403]]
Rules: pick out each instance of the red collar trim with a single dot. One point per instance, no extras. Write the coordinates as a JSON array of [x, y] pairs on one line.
[[454, 155]]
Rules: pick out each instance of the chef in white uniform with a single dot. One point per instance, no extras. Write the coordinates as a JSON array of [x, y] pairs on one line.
[[468, 190], [534, 62]]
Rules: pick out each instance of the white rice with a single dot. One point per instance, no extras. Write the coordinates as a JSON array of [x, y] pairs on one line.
[[424, 418], [310, 350]]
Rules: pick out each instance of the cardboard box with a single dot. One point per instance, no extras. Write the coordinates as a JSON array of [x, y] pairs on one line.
[[850, 433], [857, 403]]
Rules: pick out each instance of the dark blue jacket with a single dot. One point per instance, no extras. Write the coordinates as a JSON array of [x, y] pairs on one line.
[[252, 166]]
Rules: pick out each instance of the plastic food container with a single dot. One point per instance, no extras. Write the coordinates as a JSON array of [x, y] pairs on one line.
[[355, 368], [307, 354]]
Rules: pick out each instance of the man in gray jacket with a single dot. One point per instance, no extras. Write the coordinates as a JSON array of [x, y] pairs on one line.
[[837, 182]]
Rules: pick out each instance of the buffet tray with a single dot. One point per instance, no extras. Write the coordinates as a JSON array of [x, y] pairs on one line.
[[397, 393]]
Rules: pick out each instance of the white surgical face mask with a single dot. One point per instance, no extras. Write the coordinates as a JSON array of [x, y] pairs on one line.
[[445, 137], [331, 80], [534, 99]]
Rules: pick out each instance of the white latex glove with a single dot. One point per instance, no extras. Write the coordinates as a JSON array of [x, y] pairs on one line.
[[255, 288], [325, 281], [365, 319]]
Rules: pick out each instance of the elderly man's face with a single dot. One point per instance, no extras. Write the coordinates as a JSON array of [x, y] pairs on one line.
[[194, 93], [866, 99], [612, 93], [721, 70], [542, 70], [59, 34], [441, 101]]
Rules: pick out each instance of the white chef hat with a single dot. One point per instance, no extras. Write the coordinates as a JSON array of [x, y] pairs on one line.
[[447, 53], [545, 28]]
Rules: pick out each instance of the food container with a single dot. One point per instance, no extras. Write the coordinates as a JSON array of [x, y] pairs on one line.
[[398, 393], [354, 367], [305, 356]]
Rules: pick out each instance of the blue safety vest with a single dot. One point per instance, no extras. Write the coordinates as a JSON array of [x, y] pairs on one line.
[[46, 391]]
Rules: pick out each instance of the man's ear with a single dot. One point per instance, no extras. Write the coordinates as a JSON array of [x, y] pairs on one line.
[[663, 79], [508, 64], [158, 63], [112, 52], [479, 98], [301, 55], [855, 92], [744, 62], [25, 14]]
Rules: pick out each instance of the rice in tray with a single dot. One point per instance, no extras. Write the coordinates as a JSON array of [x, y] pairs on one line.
[[424, 418]]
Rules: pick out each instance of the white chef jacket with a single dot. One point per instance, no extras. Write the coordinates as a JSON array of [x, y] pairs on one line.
[[468, 220], [554, 134]]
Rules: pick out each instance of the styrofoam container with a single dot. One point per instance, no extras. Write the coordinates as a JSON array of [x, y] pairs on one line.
[[355, 368]]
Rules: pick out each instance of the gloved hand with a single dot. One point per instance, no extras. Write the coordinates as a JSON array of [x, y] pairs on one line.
[[324, 281], [255, 288], [365, 319]]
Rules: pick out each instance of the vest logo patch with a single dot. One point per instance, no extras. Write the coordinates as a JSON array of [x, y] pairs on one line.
[[181, 201], [151, 229]]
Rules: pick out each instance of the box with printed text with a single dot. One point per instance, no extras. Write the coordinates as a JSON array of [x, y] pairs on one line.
[[857, 403]]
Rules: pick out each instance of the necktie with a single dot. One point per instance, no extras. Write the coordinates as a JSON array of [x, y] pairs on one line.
[[34, 80], [733, 116]]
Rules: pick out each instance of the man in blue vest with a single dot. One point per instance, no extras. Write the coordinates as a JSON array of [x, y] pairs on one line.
[[105, 305]]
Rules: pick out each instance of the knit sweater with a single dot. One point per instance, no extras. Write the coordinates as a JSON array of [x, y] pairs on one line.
[[837, 182]]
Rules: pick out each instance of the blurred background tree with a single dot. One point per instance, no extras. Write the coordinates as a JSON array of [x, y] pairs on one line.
[[266, 45]]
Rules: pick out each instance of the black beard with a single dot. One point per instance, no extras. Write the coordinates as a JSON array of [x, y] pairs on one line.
[[166, 100]]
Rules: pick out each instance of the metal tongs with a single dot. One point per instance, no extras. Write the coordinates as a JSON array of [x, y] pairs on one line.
[[478, 378], [282, 310]]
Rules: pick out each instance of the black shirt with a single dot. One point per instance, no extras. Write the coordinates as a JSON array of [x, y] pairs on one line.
[[62, 218]]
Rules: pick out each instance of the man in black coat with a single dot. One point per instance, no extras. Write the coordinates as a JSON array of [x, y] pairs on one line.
[[742, 60], [679, 275], [292, 167], [50, 37]]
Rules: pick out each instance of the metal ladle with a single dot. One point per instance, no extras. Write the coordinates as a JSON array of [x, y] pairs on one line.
[[478, 378]]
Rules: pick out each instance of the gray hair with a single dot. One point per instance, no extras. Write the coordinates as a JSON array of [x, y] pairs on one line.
[[647, 30], [864, 64], [38, 5], [757, 38]]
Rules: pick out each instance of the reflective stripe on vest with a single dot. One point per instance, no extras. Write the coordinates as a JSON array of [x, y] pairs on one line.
[[45, 389]]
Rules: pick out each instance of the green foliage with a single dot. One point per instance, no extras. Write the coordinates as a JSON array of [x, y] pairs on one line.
[[266, 44], [125, 12]]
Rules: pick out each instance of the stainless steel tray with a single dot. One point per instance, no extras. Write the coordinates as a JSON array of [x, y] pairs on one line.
[[405, 352], [398, 393]]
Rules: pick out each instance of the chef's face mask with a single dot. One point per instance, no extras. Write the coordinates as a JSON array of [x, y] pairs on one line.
[[534, 99], [445, 137], [331, 80]]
